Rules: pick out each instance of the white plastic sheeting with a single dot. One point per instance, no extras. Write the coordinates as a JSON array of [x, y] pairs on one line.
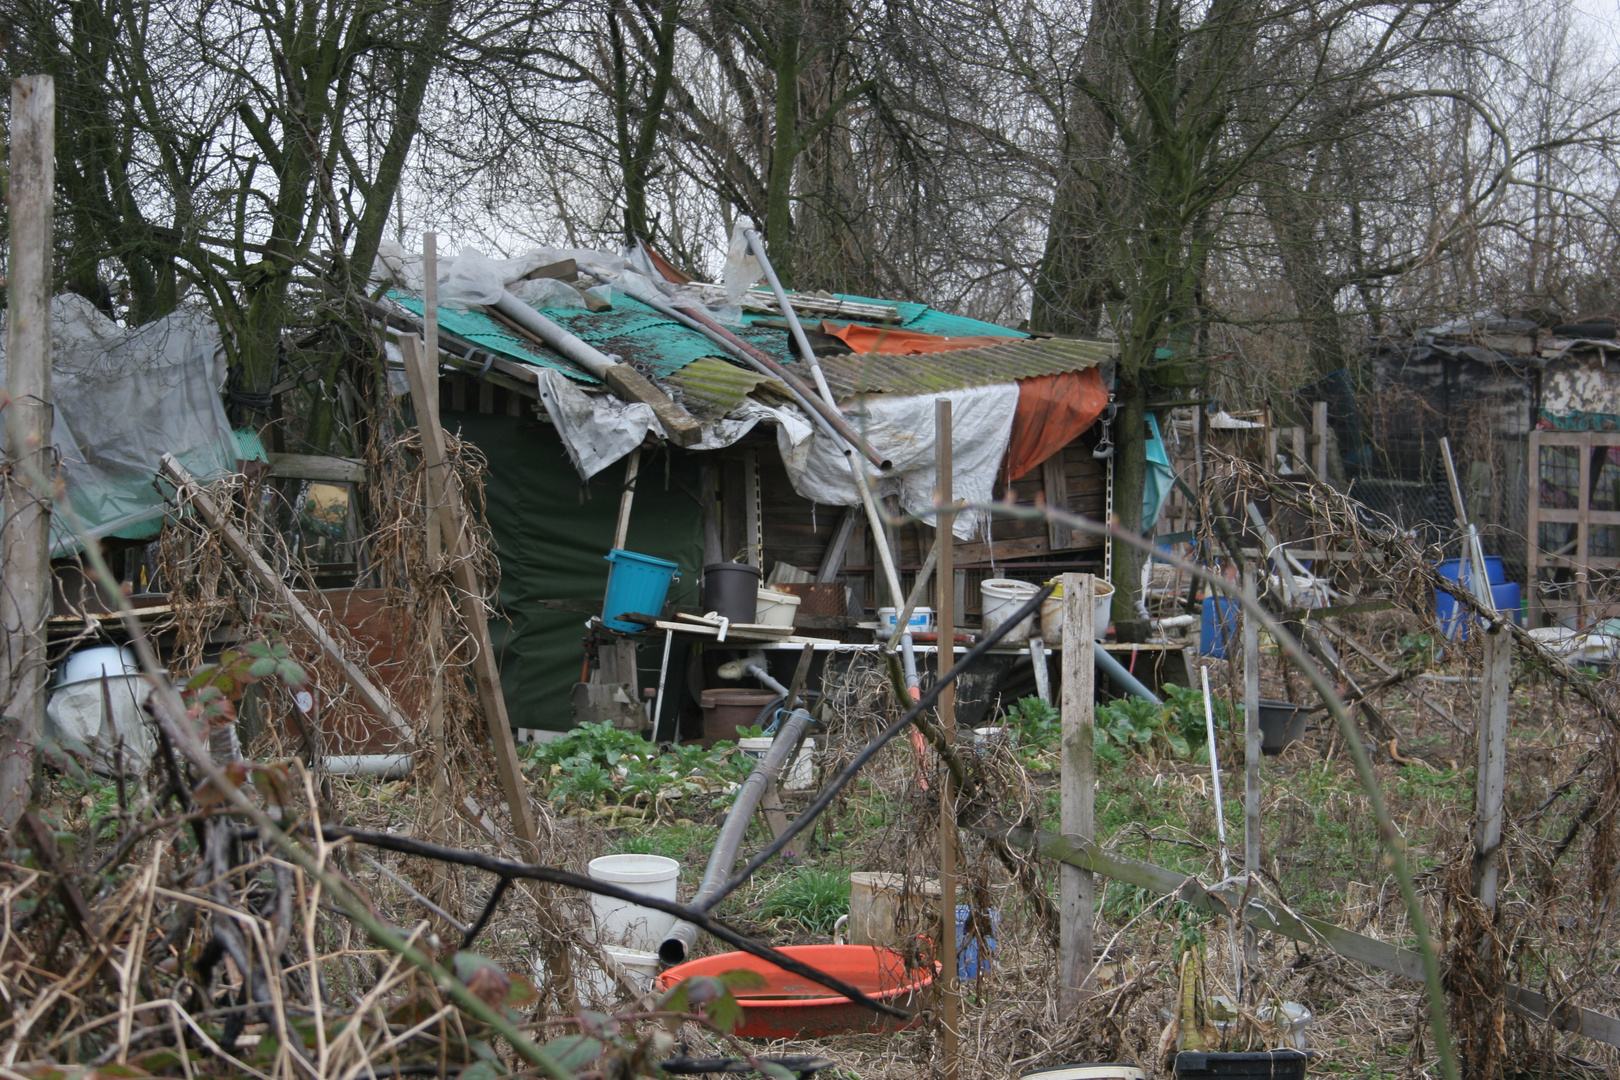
[[123, 399], [902, 430], [599, 429]]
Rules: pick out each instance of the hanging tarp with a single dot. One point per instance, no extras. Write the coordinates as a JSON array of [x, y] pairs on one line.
[[123, 399], [1053, 411]]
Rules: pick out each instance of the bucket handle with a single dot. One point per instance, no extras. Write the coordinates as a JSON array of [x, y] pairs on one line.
[[838, 929]]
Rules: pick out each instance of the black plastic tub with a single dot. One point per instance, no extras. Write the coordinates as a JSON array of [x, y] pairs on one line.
[[1258, 1064], [1281, 723], [732, 589]]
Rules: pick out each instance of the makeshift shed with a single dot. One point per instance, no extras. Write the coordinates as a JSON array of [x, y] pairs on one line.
[[756, 482]]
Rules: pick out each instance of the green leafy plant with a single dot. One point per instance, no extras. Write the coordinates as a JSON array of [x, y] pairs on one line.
[[811, 898], [1174, 729]]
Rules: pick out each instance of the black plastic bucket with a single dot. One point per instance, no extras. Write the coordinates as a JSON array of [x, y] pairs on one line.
[[1281, 723], [1258, 1064], [732, 589]]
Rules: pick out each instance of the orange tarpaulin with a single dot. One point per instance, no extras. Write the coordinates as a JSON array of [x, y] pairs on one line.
[[1052, 411], [872, 339]]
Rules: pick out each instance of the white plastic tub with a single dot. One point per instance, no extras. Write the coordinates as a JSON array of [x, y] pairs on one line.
[[1052, 613], [774, 608], [621, 924], [1293, 1020], [799, 775], [111, 661], [922, 620], [1002, 597], [642, 967], [983, 737]]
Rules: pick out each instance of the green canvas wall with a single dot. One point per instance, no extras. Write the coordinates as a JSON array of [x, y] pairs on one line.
[[551, 532]]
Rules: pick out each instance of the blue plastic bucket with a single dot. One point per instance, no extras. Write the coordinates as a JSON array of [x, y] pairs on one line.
[[636, 583], [969, 965], [1219, 626]]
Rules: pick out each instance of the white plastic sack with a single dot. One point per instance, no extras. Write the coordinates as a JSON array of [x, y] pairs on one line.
[[78, 714], [123, 399], [547, 293], [742, 269], [901, 428]]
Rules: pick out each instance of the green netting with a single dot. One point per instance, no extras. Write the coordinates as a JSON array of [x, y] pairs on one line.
[[551, 532]]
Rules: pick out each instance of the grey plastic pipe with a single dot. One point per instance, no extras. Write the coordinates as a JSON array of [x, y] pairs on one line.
[[674, 947], [736, 669], [576, 349], [1122, 678]]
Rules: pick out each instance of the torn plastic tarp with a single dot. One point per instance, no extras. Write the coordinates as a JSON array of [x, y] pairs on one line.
[[1053, 411], [878, 339], [123, 399], [901, 428], [599, 429]]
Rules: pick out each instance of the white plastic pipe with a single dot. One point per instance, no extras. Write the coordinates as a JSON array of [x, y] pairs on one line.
[[383, 766]]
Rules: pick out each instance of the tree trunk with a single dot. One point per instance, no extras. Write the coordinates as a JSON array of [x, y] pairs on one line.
[[1130, 479], [784, 143]]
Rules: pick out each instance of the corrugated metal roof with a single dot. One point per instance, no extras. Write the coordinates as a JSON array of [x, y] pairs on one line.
[[486, 333], [929, 373]]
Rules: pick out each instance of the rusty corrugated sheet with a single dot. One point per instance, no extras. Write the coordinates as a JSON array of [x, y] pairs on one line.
[[930, 373]]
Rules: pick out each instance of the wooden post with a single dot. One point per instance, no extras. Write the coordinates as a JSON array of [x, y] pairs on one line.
[[439, 779], [1077, 789], [1494, 692], [1319, 432], [1251, 770], [945, 712], [25, 549], [751, 525], [485, 671], [621, 531]]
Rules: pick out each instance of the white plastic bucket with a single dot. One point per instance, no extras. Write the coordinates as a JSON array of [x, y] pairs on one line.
[[1052, 613], [625, 925], [111, 661], [774, 608], [1002, 597], [879, 903], [922, 620], [642, 967], [799, 775], [1292, 1019], [984, 736]]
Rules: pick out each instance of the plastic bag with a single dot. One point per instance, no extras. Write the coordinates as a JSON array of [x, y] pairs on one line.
[[474, 278], [742, 269], [547, 293]]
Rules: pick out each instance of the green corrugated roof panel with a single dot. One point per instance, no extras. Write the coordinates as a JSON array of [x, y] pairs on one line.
[[930, 373], [486, 333], [631, 330]]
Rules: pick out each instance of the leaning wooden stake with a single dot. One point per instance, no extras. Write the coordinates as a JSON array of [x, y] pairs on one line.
[[371, 695], [951, 991], [1251, 773], [486, 673], [1078, 789], [1494, 692], [25, 543]]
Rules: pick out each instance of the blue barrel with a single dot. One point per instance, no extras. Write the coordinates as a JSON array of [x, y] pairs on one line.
[[970, 961], [638, 584], [1458, 570], [1448, 613], [1219, 626]]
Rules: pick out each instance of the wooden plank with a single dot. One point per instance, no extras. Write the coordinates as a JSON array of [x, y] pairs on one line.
[[563, 270], [1370, 951], [1553, 515], [318, 467], [1495, 690], [371, 696], [1251, 765], [681, 426], [1319, 429], [945, 712], [1056, 489], [1077, 790], [832, 560]]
